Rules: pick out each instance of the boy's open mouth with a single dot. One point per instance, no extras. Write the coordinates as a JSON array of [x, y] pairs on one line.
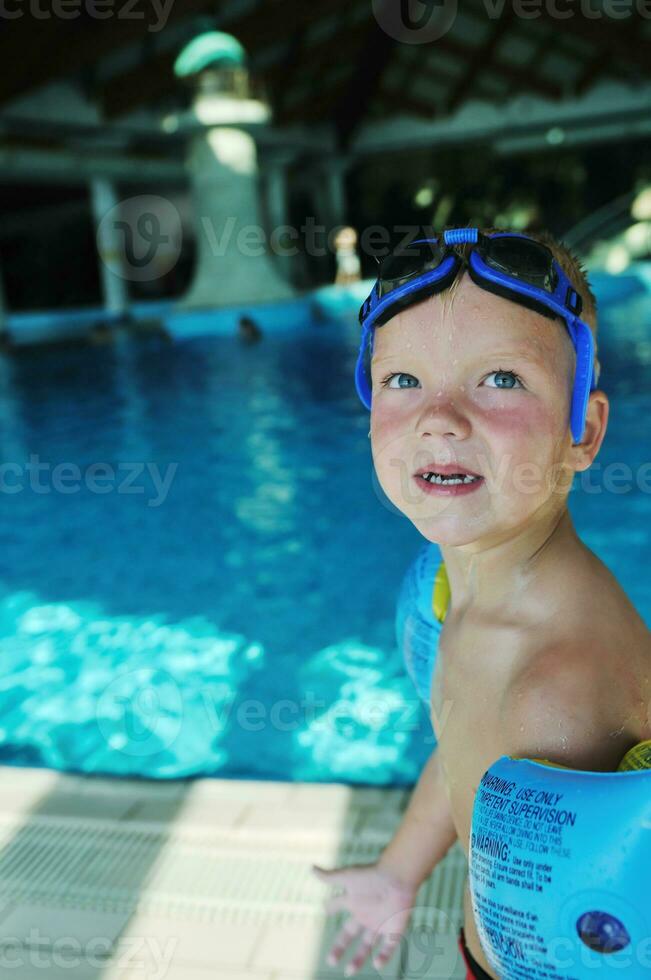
[[452, 478], [451, 474]]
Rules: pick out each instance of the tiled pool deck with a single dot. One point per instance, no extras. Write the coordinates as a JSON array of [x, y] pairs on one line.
[[103, 879]]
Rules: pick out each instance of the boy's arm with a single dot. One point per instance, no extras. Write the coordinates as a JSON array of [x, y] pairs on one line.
[[426, 831]]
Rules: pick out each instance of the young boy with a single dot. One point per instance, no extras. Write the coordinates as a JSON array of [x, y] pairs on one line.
[[541, 655]]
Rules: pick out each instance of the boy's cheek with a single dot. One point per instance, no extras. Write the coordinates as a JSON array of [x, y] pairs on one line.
[[525, 430], [386, 425]]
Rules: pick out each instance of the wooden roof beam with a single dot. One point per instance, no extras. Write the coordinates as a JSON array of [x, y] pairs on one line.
[[44, 50], [591, 69], [481, 58], [321, 106], [154, 78], [313, 57], [310, 76], [287, 70], [272, 20], [374, 56], [408, 103], [148, 82], [521, 77], [618, 38]]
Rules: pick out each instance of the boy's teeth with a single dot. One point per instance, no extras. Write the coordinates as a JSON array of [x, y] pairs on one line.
[[453, 478]]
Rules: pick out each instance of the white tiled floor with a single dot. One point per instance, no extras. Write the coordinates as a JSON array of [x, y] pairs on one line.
[[103, 879]]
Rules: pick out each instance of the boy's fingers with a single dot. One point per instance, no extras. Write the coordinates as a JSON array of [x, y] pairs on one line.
[[343, 939], [361, 955], [385, 952]]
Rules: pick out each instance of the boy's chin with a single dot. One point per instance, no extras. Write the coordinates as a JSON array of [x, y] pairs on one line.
[[450, 532]]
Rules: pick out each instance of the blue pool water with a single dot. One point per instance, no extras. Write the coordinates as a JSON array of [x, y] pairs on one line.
[[239, 620]]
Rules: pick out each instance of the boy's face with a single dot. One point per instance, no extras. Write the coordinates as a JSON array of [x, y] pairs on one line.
[[446, 404]]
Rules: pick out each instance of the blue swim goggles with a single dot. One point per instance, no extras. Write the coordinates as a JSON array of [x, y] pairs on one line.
[[506, 263]]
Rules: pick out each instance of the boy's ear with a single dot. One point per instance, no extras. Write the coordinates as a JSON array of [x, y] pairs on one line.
[[596, 422]]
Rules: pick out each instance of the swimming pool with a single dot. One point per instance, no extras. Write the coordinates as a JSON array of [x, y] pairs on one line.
[[206, 585]]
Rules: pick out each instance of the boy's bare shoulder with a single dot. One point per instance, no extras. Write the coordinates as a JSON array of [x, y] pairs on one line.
[[583, 697]]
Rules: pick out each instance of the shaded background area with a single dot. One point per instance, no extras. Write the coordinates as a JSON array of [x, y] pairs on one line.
[[535, 121]]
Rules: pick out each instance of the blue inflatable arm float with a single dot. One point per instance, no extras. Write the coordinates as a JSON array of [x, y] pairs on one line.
[[560, 870], [422, 604]]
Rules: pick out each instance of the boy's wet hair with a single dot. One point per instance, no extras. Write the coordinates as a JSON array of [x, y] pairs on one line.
[[571, 266]]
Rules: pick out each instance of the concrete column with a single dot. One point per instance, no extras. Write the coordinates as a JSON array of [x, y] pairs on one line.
[[234, 264], [331, 194], [3, 308], [285, 244], [109, 246]]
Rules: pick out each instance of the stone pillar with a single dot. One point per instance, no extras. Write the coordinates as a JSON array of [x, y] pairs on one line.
[[109, 246], [233, 261], [234, 264], [331, 194], [3, 309], [285, 244]]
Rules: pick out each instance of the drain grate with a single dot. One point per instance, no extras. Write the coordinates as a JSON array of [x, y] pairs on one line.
[[226, 894]]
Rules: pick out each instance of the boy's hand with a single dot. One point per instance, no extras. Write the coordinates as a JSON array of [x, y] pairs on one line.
[[379, 907]]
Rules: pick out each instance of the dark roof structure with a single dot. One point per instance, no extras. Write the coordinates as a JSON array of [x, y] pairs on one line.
[[325, 64]]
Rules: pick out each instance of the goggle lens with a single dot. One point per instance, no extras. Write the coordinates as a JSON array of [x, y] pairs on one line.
[[526, 260], [401, 266]]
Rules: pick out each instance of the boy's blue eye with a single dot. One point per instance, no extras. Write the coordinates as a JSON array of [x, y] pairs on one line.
[[510, 377], [400, 374], [505, 380]]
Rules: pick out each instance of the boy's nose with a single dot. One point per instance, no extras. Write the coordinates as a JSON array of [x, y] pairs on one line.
[[441, 416]]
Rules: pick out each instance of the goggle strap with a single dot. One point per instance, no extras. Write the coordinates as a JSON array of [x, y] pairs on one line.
[[461, 236], [584, 346]]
